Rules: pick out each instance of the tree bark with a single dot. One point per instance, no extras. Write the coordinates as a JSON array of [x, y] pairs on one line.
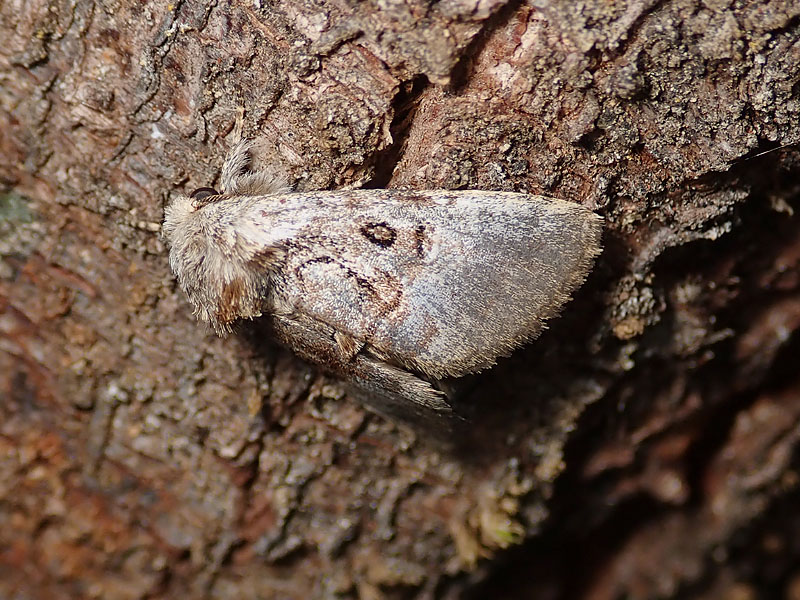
[[645, 446]]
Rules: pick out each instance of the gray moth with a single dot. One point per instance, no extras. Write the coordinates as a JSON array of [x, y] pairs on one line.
[[393, 290]]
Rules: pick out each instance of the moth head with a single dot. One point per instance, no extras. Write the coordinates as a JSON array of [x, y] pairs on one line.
[[221, 274], [181, 209]]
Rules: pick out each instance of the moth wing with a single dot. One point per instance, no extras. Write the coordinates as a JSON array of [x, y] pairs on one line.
[[387, 390], [438, 282]]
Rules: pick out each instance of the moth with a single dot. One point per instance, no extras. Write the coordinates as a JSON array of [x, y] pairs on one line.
[[393, 290]]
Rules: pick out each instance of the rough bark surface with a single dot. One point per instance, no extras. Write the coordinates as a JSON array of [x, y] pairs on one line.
[[645, 446]]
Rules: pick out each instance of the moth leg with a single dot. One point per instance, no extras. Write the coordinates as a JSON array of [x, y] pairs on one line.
[[238, 180], [384, 388]]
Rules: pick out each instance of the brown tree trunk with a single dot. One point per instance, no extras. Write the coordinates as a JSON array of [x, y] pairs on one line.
[[645, 446]]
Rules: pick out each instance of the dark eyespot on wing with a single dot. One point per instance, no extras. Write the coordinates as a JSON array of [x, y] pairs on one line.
[[379, 234]]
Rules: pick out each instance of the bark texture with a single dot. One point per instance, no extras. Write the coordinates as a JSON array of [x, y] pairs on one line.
[[645, 446]]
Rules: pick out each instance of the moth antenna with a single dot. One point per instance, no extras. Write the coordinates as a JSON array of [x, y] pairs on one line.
[[238, 180], [238, 126], [235, 165]]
